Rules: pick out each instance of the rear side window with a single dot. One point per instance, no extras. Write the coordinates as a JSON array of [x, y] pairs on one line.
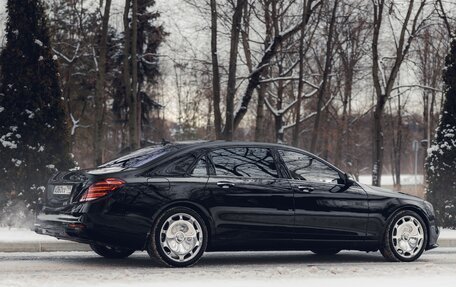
[[304, 167], [244, 162], [178, 167], [200, 168]]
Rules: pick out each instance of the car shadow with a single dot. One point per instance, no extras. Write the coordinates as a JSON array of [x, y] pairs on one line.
[[273, 258], [142, 260]]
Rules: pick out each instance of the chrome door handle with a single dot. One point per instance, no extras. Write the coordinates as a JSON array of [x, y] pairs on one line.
[[306, 189], [225, 184]]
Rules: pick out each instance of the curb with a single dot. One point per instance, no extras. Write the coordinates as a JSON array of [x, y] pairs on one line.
[[447, 242], [64, 245], [44, 246]]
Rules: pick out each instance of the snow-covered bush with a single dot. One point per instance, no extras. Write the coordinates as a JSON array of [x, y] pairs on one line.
[[441, 161]]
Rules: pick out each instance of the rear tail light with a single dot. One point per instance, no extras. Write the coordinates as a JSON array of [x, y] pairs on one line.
[[102, 188]]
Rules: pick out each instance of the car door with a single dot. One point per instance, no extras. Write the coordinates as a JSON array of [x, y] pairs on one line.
[[252, 204], [325, 207]]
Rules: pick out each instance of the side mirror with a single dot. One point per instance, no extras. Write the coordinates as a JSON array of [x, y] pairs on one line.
[[343, 180], [346, 180]]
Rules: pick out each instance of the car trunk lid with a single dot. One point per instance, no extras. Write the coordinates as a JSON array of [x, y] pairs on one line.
[[66, 188]]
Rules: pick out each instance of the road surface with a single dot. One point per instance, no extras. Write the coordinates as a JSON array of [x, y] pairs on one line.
[[435, 268]]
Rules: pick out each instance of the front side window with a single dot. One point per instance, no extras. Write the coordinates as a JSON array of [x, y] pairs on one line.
[[304, 167], [244, 162]]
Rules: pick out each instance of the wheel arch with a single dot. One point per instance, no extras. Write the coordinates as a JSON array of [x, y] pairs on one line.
[[415, 209]]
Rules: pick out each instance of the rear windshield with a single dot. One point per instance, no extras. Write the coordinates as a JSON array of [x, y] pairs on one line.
[[140, 157]]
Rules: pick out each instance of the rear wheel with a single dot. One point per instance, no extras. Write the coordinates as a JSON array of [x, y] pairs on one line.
[[111, 252], [405, 238], [326, 251], [178, 238]]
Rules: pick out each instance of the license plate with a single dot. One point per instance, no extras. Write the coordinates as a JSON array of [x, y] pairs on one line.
[[63, 189]]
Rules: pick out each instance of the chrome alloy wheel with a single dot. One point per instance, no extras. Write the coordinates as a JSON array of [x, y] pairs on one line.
[[181, 237], [408, 236]]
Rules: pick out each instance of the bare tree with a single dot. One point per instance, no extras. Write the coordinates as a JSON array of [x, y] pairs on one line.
[[325, 76], [444, 16], [269, 52], [383, 79], [353, 35], [231, 85]]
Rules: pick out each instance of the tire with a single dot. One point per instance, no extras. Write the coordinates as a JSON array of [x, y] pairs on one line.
[[111, 252], [405, 237], [178, 238], [326, 251]]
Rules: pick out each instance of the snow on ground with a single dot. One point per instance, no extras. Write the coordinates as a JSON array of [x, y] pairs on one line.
[[387, 179], [448, 234], [435, 268], [22, 235], [349, 268]]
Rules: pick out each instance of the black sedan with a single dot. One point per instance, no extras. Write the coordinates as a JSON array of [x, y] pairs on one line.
[[178, 200]]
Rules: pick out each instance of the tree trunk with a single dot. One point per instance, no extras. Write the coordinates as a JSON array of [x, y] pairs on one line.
[[262, 89], [126, 72], [98, 141], [297, 126], [377, 146], [398, 144], [279, 117], [231, 86], [209, 117], [215, 72], [259, 122], [136, 102]]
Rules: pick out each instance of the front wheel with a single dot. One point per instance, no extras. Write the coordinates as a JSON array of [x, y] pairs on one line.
[[178, 238], [405, 237], [111, 252]]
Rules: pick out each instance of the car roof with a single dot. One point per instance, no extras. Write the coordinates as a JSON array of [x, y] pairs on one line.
[[222, 143]]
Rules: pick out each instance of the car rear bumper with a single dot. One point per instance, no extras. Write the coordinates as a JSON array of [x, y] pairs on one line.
[[93, 227], [62, 226]]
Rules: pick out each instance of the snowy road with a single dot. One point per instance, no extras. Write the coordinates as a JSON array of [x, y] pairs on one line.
[[435, 268]]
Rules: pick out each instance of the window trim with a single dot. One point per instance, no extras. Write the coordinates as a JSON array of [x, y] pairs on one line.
[[322, 161], [274, 155], [189, 171]]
